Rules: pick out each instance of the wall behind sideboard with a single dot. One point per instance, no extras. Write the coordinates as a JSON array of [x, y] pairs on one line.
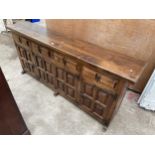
[[135, 38]]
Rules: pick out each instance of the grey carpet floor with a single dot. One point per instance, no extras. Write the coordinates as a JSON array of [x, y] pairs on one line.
[[46, 114]]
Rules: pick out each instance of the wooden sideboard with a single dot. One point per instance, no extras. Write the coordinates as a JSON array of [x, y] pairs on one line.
[[11, 121], [93, 78]]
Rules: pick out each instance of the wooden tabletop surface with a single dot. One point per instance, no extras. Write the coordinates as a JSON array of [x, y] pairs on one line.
[[111, 61]]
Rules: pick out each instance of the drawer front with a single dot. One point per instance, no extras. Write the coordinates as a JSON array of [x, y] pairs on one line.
[[21, 40], [35, 47], [100, 79], [88, 74], [41, 50], [59, 59], [72, 66]]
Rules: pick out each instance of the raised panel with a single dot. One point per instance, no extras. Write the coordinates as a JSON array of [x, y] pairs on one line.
[[22, 41], [21, 51], [99, 110], [35, 47], [70, 92], [29, 67], [88, 89], [27, 55], [24, 53], [86, 103], [60, 86], [44, 51], [71, 65], [39, 62], [88, 74], [60, 73], [42, 75], [49, 67], [59, 59], [101, 96], [50, 79], [25, 42], [70, 79]]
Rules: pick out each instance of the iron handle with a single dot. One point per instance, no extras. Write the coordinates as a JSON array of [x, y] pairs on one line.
[[64, 61], [97, 77]]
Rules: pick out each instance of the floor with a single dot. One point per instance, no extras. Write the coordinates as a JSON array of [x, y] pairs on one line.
[[46, 114]]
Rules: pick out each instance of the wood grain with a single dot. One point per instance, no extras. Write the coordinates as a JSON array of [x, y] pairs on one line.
[[111, 61], [134, 38], [90, 76]]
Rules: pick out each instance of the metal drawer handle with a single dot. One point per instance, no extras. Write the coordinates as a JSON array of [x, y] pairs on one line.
[[64, 61], [97, 77], [39, 49], [27, 42], [20, 40]]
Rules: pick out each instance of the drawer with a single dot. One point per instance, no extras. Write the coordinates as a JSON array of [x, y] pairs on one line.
[[21, 40], [45, 52], [16, 38], [71, 66], [35, 48], [25, 42], [100, 79], [59, 59]]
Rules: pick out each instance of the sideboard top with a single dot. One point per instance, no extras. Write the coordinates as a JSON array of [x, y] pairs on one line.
[[111, 61]]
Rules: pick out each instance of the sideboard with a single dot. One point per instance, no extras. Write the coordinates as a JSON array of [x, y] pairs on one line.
[[93, 78]]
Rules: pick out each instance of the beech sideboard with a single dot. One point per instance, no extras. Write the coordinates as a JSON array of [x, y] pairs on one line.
[[93, 78]]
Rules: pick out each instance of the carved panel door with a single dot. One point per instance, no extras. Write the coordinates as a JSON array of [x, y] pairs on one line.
[[24, 50], [66, 83], [95, 100], [45, 70]]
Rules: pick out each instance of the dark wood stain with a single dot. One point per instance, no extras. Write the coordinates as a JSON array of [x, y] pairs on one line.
[[90, 76], [11, 121]]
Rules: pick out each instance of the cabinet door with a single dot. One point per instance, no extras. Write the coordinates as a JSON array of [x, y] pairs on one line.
[[95, 100], [87, 96], [102, 103], [60, 79], [71, 81], [22, 41], [26, 59], [66, 83]]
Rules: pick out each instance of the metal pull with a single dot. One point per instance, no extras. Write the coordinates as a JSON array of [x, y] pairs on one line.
[[64, 61], [27, 42], [39, 49], [20, 40], [97, 77]]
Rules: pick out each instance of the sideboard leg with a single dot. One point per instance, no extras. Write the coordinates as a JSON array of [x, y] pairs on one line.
[[105, 128], [56, 93], [23, 72]]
